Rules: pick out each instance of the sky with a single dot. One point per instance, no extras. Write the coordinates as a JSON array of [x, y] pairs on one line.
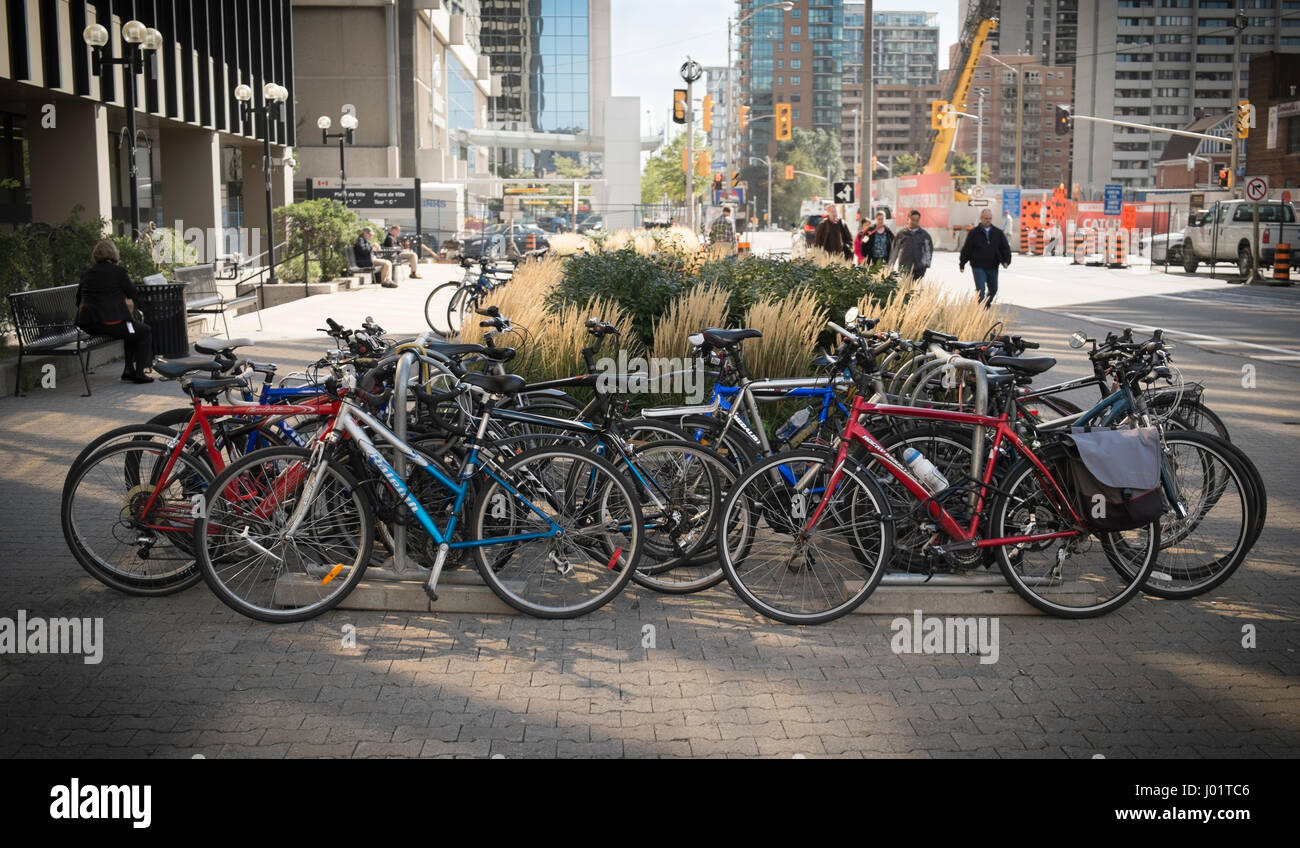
[[652, 38]]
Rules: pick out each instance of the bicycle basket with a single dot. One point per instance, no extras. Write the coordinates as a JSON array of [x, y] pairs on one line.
[[1117, 477]]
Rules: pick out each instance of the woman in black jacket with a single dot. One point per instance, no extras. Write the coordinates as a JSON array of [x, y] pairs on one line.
[[105, 307]]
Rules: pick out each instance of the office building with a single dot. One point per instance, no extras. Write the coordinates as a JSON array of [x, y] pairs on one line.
[[1165, 63], [715, 85], [554, 59], [62, 129]]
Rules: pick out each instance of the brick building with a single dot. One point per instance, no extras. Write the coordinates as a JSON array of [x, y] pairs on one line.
[[1273, 148]]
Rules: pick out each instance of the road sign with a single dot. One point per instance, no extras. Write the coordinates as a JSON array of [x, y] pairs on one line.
[[1114, 199], [1256, 188], [728, 195], [844, 192], [977, 192], [719, 165], [978, 201], [1011, 202]]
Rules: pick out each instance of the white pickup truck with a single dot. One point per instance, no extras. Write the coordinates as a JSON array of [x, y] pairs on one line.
[[1226, 231]]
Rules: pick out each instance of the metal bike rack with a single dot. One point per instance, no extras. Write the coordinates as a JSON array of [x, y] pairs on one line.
[[401, 384]]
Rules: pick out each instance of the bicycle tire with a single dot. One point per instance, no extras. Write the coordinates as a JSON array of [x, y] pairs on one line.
[[856, 517], [604, 534], [259, 491], [462, 304], [432, 311], [127, 433], [1085, 588], [102, 500]]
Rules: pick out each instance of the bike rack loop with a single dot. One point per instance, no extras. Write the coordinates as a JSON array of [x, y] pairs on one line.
[[401, 384], [981, 408]]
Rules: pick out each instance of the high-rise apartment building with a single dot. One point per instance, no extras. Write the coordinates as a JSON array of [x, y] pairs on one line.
[[715, 85], [1044, 156], [790, 57], [1165, 63], [1046, 29], [905, 53]]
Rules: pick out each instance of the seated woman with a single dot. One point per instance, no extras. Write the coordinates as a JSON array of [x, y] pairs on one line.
[[106, 307]]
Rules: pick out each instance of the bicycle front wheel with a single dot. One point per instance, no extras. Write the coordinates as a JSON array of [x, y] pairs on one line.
[[259, 565], [1076, 575], [560, 530], [797, 551], [459, 310], [128, 518], [435, 307]]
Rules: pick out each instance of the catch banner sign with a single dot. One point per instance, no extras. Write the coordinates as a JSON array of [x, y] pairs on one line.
[[930, 194]]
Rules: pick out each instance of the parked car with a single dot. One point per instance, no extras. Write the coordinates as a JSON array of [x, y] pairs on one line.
[[590, 222], [494, 241], [1162, 248], [1226, 231], [809, 227]]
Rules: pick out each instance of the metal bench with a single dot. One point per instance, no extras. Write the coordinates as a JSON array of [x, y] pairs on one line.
[[203, 298], [354, 268], [44, 320]]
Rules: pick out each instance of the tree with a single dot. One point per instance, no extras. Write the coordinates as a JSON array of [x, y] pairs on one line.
[[821, 147], [663, 173], [787, 195], [906, 164], [570, 169], [963, 165]]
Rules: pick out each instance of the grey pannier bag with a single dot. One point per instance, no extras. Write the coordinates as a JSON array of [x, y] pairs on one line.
[[1117, 476]]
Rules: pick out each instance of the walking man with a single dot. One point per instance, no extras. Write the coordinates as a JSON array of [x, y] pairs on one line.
[[833, 235], [722, 235], [913, 248], [986, 247]]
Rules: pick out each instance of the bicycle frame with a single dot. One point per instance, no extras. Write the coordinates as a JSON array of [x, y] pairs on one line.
[[856, 433]]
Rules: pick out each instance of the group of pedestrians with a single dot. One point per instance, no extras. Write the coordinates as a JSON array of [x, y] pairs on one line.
[[986, 247]]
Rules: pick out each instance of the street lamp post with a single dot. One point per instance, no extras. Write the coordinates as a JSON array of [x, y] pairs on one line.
[[768, 162], [273, 98], [731, 94], [349, 123], [141, 42]]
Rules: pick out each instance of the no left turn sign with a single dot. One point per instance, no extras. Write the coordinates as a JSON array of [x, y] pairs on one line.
[[1256, 188]]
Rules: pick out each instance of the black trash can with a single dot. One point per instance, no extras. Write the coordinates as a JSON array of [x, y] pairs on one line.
[[164, 311]]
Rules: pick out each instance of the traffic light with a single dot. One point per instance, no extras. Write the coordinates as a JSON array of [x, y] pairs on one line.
[[735, 179], [875, 164], [708, 113], [789, 172], [783, 122], [937, 110], [717, 182], [744, 117], [1064, 120], [679, 105], [1244, 122], [1224, 177]]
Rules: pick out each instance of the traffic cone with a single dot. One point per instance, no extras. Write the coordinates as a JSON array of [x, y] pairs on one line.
[[1119, 255]]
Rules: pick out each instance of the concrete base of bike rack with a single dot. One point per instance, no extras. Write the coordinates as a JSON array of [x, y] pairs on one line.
[[945, 594], [460, 591]]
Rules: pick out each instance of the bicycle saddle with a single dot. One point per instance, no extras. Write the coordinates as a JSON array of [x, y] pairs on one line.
[[1023, 364], [499, 354], [206, 388], [723, 338], [214, 346], [180, 367], [504, 384], [454, 349]]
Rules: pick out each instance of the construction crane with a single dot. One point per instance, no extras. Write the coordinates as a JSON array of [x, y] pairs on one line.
[[980, 22]]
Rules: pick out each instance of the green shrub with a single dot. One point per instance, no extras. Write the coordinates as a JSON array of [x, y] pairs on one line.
[[836, 288], [324, 227], [290, 270], [643, 286]]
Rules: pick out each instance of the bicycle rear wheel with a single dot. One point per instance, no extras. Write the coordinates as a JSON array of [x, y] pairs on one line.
[[459, 310], [1074, 576], [128, 519], [564, 573], [788, 568], [251, 561], [435, 307]]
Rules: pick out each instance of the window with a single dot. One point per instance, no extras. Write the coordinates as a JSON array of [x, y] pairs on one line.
[[796, 114], [780, 63], [796, 13], [1174, 4], [780, 80], [796, 46], [796, 30], [780, 46], [1214, 22], [1172, 75], [1172, 57], [1293, 135], [796, 64], [796, 80], [1173, 20]]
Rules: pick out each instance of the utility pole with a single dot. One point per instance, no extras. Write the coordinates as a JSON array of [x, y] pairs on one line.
[[979, 141], [868, 105], [857, 162], [1238, 23]]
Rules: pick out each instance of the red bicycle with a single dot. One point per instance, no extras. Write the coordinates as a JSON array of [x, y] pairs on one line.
[[813, 551]]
